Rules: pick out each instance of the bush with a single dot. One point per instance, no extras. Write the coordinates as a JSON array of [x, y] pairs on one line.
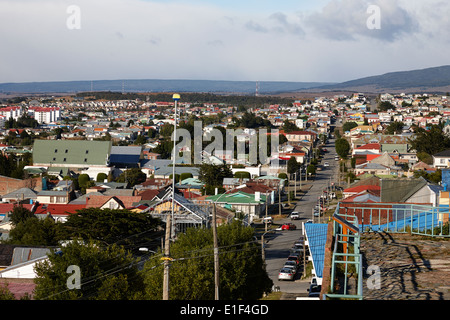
[[185, 175], [283, 176], [101, 177], [242, 175]]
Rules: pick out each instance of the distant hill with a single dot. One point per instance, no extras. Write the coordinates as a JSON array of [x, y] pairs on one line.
[[435, 79], [155, 85]]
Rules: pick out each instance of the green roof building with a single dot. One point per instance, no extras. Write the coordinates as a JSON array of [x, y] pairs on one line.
[[71, 153], [250, 204]]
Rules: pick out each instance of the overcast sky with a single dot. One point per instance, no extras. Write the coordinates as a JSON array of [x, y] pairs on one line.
[[265, 40]]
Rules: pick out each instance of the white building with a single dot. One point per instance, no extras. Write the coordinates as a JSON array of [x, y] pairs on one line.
[[45, 115], [11, 112]]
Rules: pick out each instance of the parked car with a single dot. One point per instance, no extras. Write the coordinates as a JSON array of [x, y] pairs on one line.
[[294, 215], [288, 226], [314, 290], [268, 220], [296, 252], [291, 264], [336, 158], [285, 274], [293, 258], [326, 164], [316, 212]]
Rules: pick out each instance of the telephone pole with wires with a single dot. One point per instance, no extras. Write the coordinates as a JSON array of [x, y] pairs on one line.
[[170, 230]]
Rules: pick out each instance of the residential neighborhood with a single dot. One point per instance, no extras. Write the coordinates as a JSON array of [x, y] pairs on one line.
[[63, 156]]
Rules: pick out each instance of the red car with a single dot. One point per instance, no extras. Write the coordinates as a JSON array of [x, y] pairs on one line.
[[288, 226]]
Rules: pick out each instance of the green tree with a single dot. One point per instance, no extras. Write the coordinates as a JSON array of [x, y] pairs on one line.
[[311, 169], [140, 140], [288, 126], [385, 106], [185, 175], [431, 141], [34, 232], [282, 175], [106, 273], [132, 176], [242, 174], [242, 272], [292, 165], [349, 125], [20, 214], [213, 175], [111, 226], [342, 147], [394, 127], [101, 176], [83, 180]]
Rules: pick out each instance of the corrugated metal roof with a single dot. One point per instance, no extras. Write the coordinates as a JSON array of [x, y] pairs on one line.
[[316, 234], [71, 152], [24, 254]]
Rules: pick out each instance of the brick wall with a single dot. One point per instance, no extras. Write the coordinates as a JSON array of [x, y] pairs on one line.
[[326, 276], [8, 184]]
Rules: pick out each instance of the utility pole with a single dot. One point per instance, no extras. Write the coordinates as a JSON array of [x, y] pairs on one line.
[[295, 185], [216, 254], [166, 258], [169, 222], [279, 199]]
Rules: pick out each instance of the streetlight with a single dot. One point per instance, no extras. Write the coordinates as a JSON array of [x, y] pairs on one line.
[[176, 98], [169, 219]]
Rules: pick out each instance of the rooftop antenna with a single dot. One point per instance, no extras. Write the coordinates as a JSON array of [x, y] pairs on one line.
[[257, 89]]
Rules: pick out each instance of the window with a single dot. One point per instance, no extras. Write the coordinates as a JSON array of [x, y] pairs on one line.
[[67, 150], [56, 150], [87, 151], [54, 159], [85, 159], [64, 160]]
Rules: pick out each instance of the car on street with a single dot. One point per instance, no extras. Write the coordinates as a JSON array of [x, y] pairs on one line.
[[314, 290], [285, 274], [316, 212], [288, 226], [268, 220], [295, 215], [296, 252], [326, 164], [291, 264], [336, 158], [293, 258]]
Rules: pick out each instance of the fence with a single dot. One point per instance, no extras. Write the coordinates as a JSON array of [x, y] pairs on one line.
[[399, 218], [352, 219]]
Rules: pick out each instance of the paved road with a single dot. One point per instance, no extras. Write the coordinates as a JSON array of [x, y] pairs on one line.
[[277, 249]]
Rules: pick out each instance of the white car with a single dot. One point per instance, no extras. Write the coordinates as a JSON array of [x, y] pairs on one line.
[[294, 215], [285, 274], [326, 164]]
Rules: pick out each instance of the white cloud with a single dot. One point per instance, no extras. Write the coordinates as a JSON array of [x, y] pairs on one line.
[[347, 20], [197, 40]]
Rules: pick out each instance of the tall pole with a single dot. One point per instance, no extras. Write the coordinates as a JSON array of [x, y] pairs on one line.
[[166, 259], [175, 97], [295, 185], [216, 254], [170, 218]]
